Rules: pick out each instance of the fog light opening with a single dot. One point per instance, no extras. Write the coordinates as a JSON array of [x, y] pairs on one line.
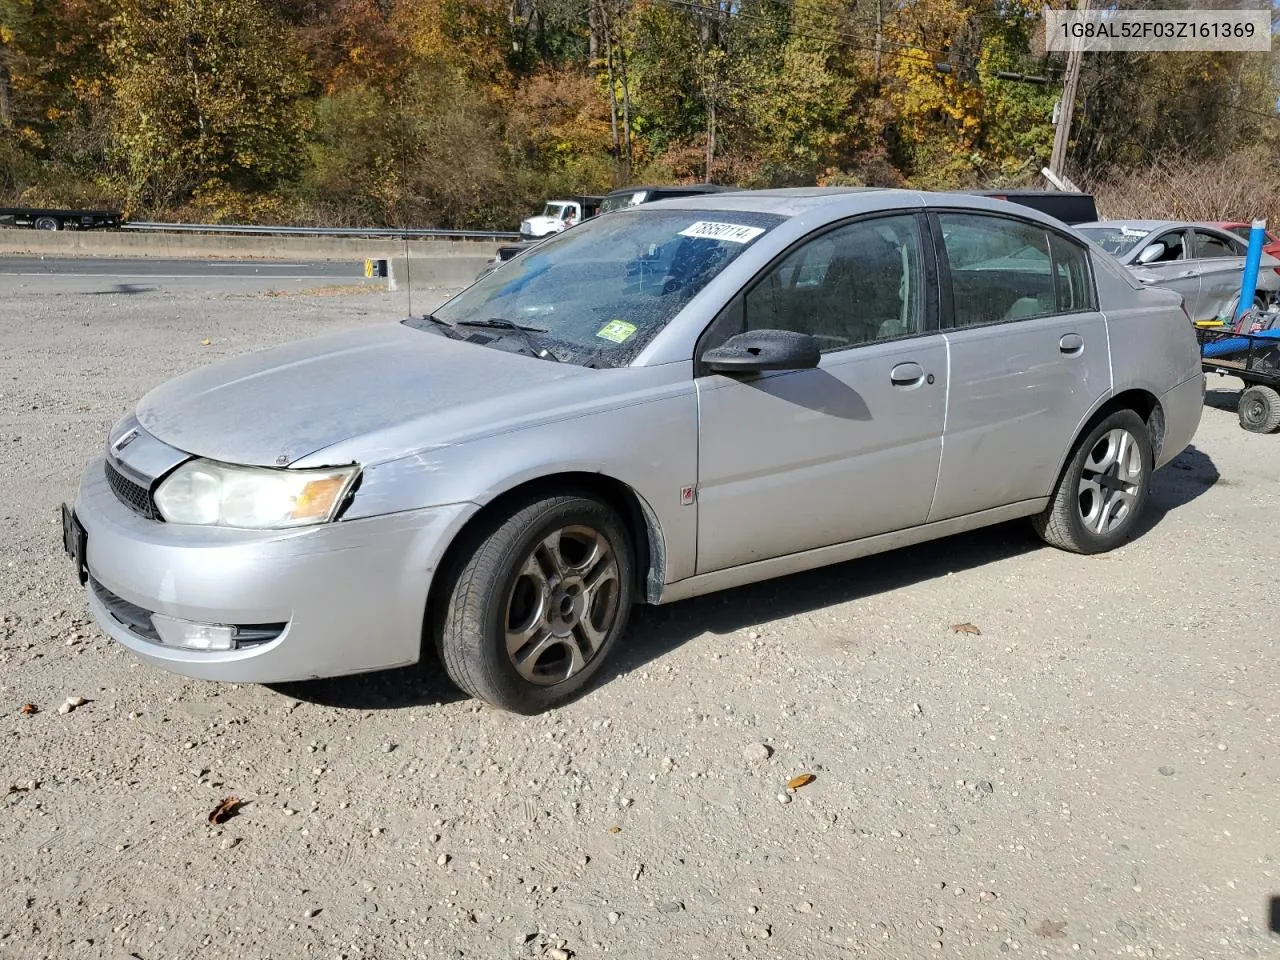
[[188, 635]]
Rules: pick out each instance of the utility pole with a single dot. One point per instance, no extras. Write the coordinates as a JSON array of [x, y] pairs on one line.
[[879, 37], [1062, 132]]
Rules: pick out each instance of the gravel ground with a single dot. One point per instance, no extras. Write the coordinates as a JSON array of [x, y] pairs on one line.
[[1093, 773]]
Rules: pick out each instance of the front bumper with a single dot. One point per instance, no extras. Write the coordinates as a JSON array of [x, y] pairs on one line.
[[343, 597]]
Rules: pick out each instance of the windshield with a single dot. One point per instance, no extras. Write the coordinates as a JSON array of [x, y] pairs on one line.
[[596, 294], [1117, 241], [554, 210], [613, 203]]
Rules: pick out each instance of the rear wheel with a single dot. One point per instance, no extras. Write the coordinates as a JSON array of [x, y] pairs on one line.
[[1259, 409], [47, 223], [1103, 488], [536, 603]]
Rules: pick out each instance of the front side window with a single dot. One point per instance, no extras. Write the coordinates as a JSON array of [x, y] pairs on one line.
[[855, 284], [1174, 248], [597, 294]]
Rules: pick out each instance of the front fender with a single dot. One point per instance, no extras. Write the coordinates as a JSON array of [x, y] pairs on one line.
[[651, 447]]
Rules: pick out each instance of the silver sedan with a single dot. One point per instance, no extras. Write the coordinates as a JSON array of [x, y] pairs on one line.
[[1202, 263], [679, 398]]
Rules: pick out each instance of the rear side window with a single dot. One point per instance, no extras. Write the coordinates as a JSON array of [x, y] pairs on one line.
[[1072, 275], [1209, 246], [1004, 270]]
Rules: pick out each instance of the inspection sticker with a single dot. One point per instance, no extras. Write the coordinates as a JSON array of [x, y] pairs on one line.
[[616, 330], [729, 232]]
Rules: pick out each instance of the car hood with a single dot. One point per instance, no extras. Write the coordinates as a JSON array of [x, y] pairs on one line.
[[276, 406], [541, 224]]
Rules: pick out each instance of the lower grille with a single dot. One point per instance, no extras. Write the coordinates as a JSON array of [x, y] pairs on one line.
[[134, 496], [137, 620], [133, 617]]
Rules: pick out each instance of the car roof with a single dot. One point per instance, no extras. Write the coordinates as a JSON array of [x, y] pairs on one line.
[[788, 202], [817, 204], [691, 188], [1148, 225]]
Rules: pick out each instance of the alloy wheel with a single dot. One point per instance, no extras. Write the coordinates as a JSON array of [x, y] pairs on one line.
[[1110, 481], [562, 605]]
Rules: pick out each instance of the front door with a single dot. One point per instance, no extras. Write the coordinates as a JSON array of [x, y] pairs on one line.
[[1174, 269], [794, 460]]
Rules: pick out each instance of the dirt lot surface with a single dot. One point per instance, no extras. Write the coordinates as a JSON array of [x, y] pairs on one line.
[[1094, 773]]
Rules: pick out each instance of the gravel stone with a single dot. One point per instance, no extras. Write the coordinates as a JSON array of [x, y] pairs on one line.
[[757, 752]]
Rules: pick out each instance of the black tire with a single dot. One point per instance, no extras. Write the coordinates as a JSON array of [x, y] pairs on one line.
[[47, 223], [1259, 409], [1113, 504], [480, 594]]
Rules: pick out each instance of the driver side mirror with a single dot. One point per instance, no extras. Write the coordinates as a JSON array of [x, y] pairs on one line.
[[1152, 252], [760, 350]]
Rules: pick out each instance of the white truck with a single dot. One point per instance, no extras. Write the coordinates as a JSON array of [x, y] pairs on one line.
[[559, 214]]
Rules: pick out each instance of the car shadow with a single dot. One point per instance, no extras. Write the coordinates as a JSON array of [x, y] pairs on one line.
[[422, 684], [121, 289], [1224, 397], [1177, 483], [656, 631]]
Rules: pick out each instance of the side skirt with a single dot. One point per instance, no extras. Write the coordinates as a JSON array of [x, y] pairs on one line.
[[840, 552]]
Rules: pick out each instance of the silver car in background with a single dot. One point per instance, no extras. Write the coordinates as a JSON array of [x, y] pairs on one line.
[[1202, 263], [674, 399]]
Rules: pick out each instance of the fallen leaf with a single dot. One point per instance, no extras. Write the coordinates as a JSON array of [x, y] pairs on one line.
[[965, 628], [29, 708], [615, 829], [205, 342], [225, 810], [803, 779], [1053, 929]]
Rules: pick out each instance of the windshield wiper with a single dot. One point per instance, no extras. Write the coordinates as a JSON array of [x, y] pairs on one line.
[[526, 332], [444, 326]]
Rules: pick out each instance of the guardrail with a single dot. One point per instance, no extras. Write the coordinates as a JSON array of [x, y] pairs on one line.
[[321, 231]]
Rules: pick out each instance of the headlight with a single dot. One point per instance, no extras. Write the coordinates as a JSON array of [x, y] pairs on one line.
[[210, 493]]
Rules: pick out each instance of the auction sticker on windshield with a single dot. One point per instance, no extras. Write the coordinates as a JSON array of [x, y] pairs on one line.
[[730, 232], [616, 330]]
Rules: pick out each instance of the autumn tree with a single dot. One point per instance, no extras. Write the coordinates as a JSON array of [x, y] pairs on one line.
[[207, 96]]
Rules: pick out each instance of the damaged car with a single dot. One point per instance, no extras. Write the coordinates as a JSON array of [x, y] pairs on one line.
[[678, 398]]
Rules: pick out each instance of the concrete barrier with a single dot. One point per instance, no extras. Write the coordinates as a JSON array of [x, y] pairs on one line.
[[432, 271], [469, 254]]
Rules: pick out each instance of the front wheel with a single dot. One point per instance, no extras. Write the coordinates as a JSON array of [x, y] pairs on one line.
[[1103, 488], [536, 603], [47, 223]]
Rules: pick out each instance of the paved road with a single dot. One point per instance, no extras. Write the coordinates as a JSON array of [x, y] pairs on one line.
[[128, 276]]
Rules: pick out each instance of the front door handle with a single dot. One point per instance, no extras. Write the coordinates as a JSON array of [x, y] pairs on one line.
[[1186, 273], [1072, 344], [907, 375]]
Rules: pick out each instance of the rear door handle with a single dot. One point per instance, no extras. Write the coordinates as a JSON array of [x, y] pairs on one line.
[[1186, 273], [906, 374], [1071, 344]]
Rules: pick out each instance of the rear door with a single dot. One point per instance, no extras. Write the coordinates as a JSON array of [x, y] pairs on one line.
[[1220, 263], [1028, 357]]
